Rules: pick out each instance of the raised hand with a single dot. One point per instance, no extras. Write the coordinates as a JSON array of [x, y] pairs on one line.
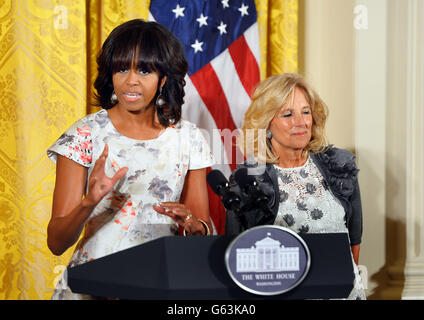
[[99, 183]]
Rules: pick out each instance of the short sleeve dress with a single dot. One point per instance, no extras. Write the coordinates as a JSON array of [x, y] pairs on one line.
[[156, 172], [308, 206]]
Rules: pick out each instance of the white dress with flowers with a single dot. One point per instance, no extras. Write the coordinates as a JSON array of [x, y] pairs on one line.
[[156, 172], [307, 205]]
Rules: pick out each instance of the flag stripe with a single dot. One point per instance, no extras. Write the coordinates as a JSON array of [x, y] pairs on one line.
[[247, 68], [195, 110], [209, 88], [251, 36], [236, 94]]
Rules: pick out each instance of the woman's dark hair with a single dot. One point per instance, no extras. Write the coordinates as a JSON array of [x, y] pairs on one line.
[[149, 46]]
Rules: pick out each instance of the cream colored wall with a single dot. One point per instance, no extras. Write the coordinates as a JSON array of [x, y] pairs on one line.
[[370, 88], [372, 79], [349, 69], [328, 55]]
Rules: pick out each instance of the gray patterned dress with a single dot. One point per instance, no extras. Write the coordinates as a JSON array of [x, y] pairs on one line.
[[156, 173], [307, 206]]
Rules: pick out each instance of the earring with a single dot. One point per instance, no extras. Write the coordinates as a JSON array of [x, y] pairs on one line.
[[113, 97], [160, 101], [268, 134]]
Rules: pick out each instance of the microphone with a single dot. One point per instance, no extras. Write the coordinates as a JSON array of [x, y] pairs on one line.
[[220, 186], [260, 194]]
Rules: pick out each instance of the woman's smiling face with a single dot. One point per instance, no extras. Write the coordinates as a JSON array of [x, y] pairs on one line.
[[292, 127]]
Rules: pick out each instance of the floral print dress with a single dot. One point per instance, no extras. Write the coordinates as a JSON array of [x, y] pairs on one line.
[[156, 172], [308, 206]]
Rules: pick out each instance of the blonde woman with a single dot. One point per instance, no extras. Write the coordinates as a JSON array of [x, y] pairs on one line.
[[315, 186]]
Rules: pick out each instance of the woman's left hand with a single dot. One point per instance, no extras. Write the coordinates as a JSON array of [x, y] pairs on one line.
[[181, 215]]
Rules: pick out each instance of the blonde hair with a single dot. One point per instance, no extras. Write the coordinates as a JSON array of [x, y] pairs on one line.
[[268, 98]]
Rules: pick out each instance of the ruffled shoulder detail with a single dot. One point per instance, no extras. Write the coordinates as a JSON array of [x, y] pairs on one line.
[[340, 169]]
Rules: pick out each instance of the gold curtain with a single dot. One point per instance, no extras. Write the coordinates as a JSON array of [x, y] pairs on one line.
[[42, 91], [278, 25], [47, 67]]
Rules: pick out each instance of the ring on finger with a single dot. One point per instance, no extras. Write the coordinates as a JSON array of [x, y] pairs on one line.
[[187, 217]]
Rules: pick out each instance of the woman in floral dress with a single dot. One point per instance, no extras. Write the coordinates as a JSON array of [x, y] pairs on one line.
[[315, 185], [133, 171]]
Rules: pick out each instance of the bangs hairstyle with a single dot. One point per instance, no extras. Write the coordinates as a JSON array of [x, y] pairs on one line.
[[148, 46], [270, 96]]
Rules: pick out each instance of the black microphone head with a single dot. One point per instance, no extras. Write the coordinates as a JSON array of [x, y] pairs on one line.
[[242, 177], [217, 181]]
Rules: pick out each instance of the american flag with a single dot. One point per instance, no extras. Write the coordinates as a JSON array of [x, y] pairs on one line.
[[221, 44]]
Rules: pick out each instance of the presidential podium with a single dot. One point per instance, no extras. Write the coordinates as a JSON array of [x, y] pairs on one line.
[[193, 268]]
